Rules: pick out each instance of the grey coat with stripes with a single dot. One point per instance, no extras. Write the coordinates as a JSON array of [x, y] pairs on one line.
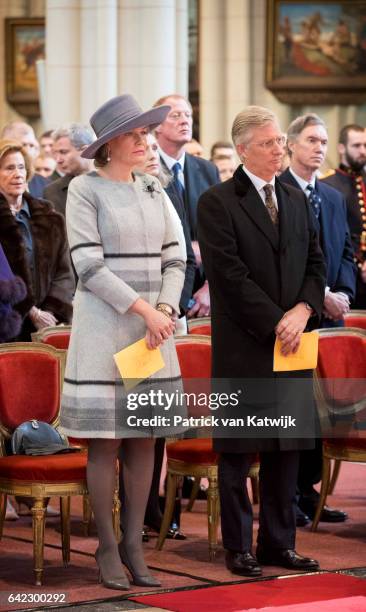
[[124, 245]]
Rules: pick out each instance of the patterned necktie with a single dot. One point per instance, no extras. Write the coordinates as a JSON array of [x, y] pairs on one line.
[[270, 204], [176, 169], [314, 200]]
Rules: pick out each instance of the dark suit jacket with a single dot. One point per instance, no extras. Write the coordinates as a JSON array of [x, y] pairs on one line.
[[334, 237], [56, 192], [37, 185], [199, 175], [191, 260], [256, 273]]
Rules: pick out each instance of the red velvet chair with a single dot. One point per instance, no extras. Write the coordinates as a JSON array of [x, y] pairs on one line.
[[59, 337], [340, 390], [355, 318], [56, 335], [201, 326], [195, 457], [31, 376]]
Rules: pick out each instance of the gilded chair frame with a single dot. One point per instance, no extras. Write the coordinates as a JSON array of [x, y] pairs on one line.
[[39, 336], [177, 469], [356, 313], [331, 453], [61, 329], [40, 491], [197, 322]]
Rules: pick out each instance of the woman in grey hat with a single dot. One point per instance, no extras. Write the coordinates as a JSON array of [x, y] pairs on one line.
[[131, 268]]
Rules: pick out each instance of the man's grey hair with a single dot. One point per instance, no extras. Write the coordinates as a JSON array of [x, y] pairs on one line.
[[14, 129], [249, 118], [78, 134], [300, 123]]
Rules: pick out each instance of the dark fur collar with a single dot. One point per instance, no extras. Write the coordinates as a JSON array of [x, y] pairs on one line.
[[11, 240]]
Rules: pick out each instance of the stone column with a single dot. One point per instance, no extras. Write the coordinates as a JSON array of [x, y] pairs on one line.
[[98, 54], [181, 48], [211, 32], [62, 62], [149, 48]]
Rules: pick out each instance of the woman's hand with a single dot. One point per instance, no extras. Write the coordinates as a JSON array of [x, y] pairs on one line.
[[159, 328], [42, 318]]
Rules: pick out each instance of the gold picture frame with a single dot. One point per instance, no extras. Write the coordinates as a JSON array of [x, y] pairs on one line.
[[316, 51], [24, 45]]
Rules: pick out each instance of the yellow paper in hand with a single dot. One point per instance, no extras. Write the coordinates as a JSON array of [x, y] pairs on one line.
[[306, 358], [136, 362]]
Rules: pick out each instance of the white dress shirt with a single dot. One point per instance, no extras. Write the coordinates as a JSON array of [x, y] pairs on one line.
[[170, 161], [259, 183]]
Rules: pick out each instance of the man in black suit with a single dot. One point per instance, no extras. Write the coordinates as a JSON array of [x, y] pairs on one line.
[[307, 145], [69, 143], [266, 272], [191, 177]]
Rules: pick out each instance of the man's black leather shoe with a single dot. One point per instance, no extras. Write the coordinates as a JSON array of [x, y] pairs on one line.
[[286, 558], [328, 515], [302, 519], [243, 564]]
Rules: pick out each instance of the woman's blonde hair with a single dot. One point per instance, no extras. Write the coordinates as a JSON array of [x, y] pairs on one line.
[[8, 146]]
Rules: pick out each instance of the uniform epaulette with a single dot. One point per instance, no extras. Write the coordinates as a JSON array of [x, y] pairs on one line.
[[329, 172]]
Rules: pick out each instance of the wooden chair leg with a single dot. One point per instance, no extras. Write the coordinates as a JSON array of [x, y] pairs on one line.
[[87, 514], [65, 528], [171, 490], [38, 522], [3, 502], [116, 512], [323, 492], [212, 515], [335, 474], [194, 493], [255, 489]]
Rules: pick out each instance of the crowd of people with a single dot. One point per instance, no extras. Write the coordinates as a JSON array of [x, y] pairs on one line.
[[126, 230]]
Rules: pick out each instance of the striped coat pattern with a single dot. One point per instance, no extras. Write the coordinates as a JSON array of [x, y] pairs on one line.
[[124, 245]]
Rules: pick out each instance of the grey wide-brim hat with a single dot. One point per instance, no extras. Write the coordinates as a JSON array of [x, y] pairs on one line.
[[118, 116]]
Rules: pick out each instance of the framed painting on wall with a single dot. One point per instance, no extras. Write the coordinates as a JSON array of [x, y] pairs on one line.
[[316, 51], [24, 45]]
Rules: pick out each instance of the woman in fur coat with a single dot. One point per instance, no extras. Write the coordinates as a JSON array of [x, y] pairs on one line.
[[12, 291], [33, 237]]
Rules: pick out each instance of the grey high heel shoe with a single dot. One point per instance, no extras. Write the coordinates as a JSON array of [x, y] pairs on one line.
[[120, 583], [145, 580]]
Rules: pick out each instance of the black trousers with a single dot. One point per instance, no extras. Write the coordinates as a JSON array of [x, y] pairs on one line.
[[277, 490]]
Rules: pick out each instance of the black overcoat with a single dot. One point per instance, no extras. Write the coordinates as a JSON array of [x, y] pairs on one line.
[[256, 273]]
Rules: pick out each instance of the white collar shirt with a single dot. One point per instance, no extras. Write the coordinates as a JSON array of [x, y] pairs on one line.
[[259, 183]]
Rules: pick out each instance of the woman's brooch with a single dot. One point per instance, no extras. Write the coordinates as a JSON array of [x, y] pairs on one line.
[[151, 188]]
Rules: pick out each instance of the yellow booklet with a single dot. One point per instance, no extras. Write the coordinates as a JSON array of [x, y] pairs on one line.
[[306, 358], [136, 362]]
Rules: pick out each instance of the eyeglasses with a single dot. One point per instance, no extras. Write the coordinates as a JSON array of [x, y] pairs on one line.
[[269, 144], [177, 115]]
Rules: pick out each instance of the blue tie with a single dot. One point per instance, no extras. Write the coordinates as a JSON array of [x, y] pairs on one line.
[[176, 169], [314, 200]]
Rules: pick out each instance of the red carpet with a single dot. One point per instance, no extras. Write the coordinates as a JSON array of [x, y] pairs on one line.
[[351, 604], [262, 594]]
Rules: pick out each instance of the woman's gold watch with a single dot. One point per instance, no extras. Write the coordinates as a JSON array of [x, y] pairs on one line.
[[165, 309]]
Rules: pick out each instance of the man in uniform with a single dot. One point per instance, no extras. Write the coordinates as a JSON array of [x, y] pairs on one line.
[[350, 179]]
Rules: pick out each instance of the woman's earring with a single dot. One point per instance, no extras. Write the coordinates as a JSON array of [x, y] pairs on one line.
[[108, 155]]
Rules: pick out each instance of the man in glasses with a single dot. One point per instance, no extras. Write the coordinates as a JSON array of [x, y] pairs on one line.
[[266, 272], [191, 176], [307, 142]]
